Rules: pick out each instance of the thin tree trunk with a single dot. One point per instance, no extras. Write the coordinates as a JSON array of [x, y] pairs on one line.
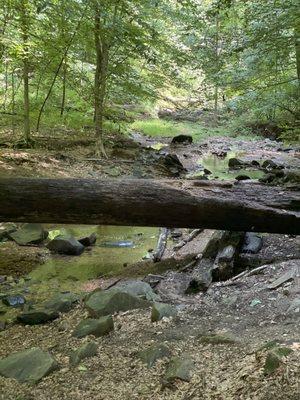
[[63, 99], [13, 100], [100, 82], [216, 90], [25, 29]]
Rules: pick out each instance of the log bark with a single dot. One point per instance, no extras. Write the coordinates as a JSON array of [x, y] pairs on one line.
[[139, 202]]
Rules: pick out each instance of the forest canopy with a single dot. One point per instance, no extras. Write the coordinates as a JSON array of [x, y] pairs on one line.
[[81, 62]]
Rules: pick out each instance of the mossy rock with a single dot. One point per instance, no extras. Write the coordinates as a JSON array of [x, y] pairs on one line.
[[96, 327], [274, 358], [87, 350], [161, 310], [153, 353]]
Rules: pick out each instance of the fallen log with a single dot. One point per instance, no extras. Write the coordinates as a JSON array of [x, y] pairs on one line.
[[139, 202]]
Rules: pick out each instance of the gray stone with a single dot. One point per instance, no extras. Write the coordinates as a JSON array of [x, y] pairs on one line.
[[105, 302], [235, 163], [253, 243], [16, 300], [28, 366], [139, 289], [29, 234], [201, 276], [294, 307], [62, 302], [36, 317], [160, 310], [97, 327], [179, 368], [2, 325], [153, 353], [87, 350], [65, 245]]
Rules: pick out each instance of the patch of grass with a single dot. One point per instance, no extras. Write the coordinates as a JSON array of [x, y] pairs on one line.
[[161, 128]]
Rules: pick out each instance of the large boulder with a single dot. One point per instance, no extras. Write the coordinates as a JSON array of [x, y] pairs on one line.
[[106, 302], [65, 245], [29, 234], [28, 366], [96, 327]]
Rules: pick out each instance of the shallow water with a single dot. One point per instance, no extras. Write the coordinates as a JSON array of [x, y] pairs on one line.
[[220, 170], [100, 260]]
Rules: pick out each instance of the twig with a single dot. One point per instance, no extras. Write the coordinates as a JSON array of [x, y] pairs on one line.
[[161, 244]]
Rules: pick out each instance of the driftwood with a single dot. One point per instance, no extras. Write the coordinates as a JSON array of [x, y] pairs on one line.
[[140, 202], [192, 235], [161, 244]]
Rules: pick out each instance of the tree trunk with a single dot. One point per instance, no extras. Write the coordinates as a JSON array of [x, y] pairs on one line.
[[180, 204], [100, 81], [63, 99], [25, 37]]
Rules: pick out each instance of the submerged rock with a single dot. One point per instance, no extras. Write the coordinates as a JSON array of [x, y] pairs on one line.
[[14, 300], [28, 366], [153, 353], [161, 310], [235, 163], [242, 178], [88, 240], [36, 317], [65, 245], [87, 350], [96, 327], [179, 368], [29, 234], [215, 338], [106, 302]]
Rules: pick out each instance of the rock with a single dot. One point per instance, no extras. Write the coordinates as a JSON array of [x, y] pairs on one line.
[[255, 163], [235, 163], [61, 302], [274, 357], [28, 366], [16, 300], [6, 231], [29, 234], [242, 177], [153, 353], [36, 317], [106, 302], [218, 339], [253, 243], [161, 310], [179, 368], [65, 245], [139, 289], [269, 164], [2, 326], [182, 139], [201, 276], [88, 240], [207, 171], [294, 307], [172, 163], [288, 276], [87, 350], [97, 327]]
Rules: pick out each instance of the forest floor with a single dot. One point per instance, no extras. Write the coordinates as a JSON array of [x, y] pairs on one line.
[[246, 310]]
